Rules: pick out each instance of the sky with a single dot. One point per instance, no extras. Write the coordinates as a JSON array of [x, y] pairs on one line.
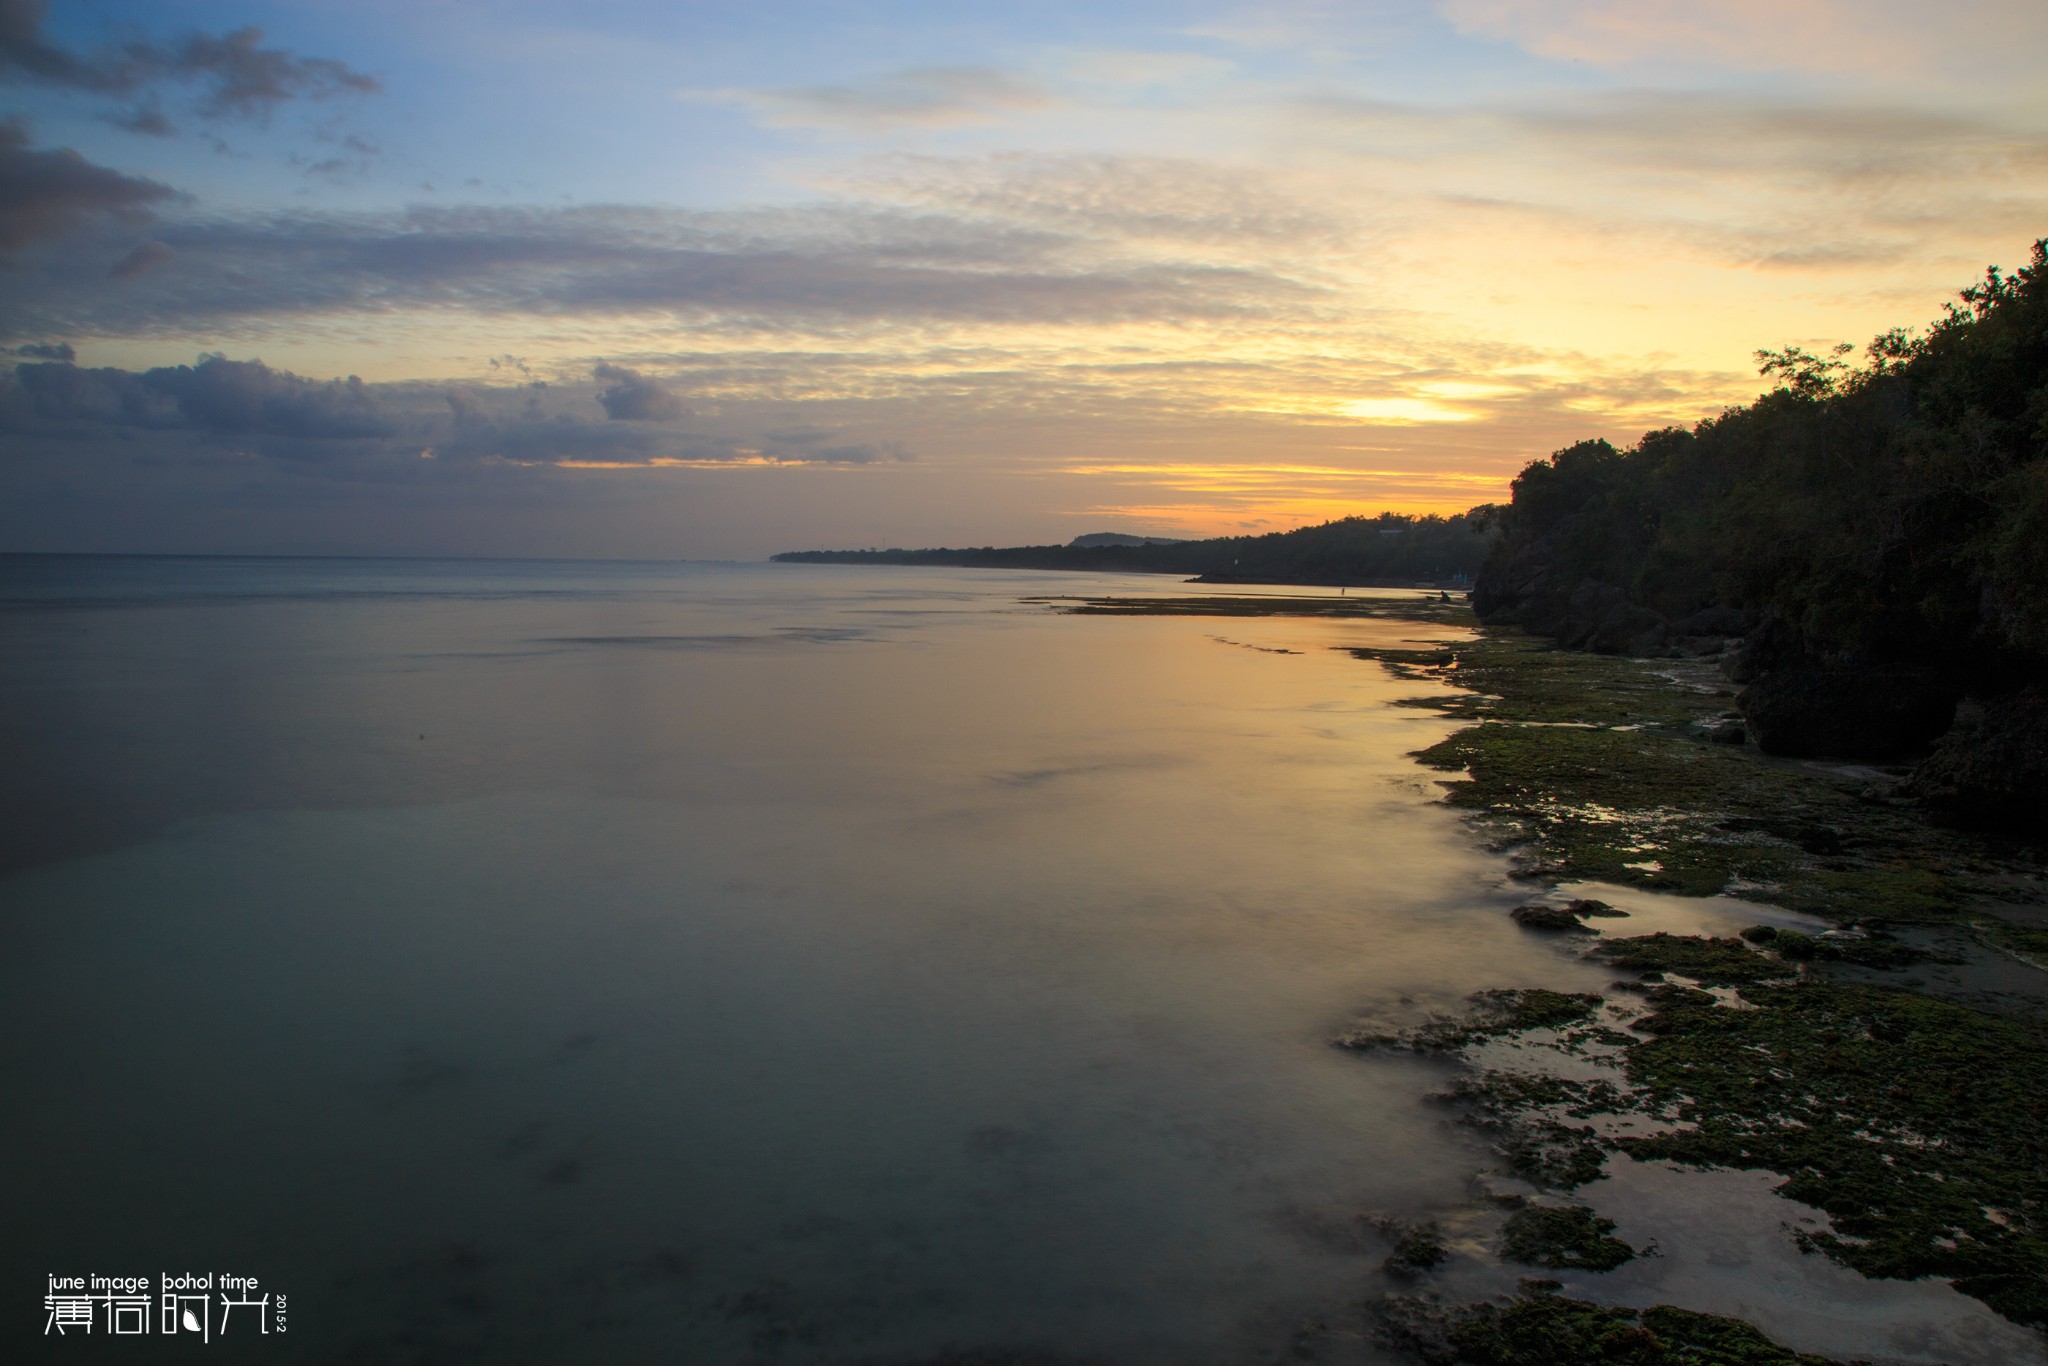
[[712, 280]]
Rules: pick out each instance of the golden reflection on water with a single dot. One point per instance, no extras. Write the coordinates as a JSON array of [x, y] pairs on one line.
[[816, 963]]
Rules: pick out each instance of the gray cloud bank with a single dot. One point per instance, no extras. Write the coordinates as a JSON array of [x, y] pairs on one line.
[[629, 396], [52, 194], [218, 396], [233, 75], [831, 268], [70, 413], [1058, 240], [934, 96]]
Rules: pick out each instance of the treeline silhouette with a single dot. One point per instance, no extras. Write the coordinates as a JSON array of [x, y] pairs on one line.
[[1879, 532], [1866, 546], [1388, 549]]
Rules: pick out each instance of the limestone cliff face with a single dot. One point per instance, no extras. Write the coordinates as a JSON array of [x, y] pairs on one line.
[[1798, 700], [1985, 760], [1993, 766]]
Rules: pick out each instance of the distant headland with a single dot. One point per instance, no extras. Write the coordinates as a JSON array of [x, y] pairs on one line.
[[1866, 545], [1390, 550]]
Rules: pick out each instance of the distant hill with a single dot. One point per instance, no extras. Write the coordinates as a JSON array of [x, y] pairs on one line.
[[1390, 549], [1099, 538]]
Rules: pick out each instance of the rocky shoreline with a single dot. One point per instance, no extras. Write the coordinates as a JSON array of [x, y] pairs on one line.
[[1887, 1083], [1877, 1043], [1975, 733]]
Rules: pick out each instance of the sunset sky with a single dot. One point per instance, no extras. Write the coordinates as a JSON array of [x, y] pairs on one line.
[[712, 280]]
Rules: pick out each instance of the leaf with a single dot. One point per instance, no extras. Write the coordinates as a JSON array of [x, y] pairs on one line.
[[192, 1323]]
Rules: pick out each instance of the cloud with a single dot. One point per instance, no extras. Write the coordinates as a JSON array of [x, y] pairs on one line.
[[221, 406], [1145, 198], [63, 395], [1836, 141], [815, 444], [243, 80], [49, 194], [218, 396], [632, 397], [23, 53], [508, 425], [43, 351], [1127, 71], [145, 119], [52, 193], [932, 96], [1866, 37], [234, 75], [236, 397], [814, 268], [146, 256], [1736, 178]]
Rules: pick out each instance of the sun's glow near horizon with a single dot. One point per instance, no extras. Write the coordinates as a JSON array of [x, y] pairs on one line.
[[1181, 269]]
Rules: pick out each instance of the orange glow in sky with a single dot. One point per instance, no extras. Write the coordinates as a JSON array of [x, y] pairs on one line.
[[1192, 268]]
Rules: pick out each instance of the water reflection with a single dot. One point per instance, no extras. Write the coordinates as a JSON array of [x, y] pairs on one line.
[[725, 964]]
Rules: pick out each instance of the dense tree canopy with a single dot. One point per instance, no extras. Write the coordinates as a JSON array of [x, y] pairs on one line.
[[1889, 512]]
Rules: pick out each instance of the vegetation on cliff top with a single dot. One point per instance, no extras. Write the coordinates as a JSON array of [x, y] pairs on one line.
[[1897, 511], [1878, 536]]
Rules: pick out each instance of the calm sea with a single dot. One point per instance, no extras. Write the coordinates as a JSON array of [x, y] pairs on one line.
[[522, 961]]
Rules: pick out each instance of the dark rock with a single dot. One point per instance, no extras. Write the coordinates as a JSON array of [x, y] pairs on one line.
[[1565, 917], [1586, 615], [1811, 835], [1504, 593], [1697, 647], [1556, 918], [1996, 770], [1872, 713], [1772, 645], [1712, 621], [1725, 732], [1417, 1249], [1598, 617], [1593, 605], [1635, 631]]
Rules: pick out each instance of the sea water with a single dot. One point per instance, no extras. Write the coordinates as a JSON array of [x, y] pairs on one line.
[[540, 961]]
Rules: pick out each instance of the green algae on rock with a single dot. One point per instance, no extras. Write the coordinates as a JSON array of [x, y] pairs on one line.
[[1491, 1014], [1919, 1126], [1604, 769], [1862, 950], [1541, 1328], [2028, 943], [1716, 962], [1417, 1248], [1563, 1238], [1569, 917], [1427, 607]]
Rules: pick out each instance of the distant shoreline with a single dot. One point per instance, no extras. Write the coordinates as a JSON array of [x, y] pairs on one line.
[[1241, 580], [1391, 550]]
